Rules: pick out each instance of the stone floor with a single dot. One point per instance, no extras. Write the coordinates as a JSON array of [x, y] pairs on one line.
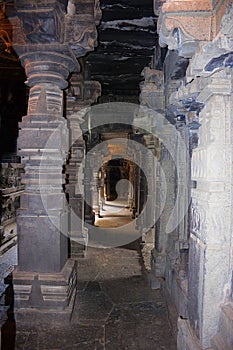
[[114, 309]]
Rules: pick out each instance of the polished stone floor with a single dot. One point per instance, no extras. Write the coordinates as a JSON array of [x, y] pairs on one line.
[[115, 309]]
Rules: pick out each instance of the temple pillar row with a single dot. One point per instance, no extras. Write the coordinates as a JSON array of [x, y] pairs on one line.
[[201, 276]]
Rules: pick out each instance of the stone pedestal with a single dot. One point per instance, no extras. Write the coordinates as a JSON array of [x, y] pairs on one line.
[[44, 297]]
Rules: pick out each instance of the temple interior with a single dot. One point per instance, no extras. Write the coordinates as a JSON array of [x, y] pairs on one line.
[[116, 175]]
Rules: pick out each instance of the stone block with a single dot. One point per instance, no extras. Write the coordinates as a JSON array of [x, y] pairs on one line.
[[42, 246], [44, 297]]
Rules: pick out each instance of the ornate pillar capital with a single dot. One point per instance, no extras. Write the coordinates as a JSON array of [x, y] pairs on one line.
[[183, 23], [48, 68], [56, 25]]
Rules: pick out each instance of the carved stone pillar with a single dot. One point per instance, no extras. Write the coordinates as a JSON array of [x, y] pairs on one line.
[[80, 97], [210, 239], [48, 37], [74, 187], [161, 232], [44, 279]]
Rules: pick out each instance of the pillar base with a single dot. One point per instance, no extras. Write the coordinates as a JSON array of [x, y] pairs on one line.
[[44, 297]]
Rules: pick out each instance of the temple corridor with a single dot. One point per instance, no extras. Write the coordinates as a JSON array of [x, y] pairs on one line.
[[116, 174]]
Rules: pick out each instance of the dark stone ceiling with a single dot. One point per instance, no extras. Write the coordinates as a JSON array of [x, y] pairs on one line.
[[127, 39]]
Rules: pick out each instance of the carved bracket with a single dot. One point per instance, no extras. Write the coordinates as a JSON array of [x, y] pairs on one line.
[[182, 24]]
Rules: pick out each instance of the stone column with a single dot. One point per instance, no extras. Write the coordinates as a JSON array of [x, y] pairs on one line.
[[45, 280], [74, 173], [81, 95], [211, 228], [48, 37], [161, 234], [210, 84]]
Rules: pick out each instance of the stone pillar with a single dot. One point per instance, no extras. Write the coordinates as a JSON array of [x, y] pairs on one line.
[[209, 84], [161, 234], [45, 280], [81, 95], [48, 37], [74, 187], [211, 228]]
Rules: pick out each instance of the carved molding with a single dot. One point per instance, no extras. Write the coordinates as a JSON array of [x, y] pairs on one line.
[[48, 67], [182, 24]]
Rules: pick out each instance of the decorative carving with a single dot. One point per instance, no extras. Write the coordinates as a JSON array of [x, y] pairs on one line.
[[45, 99], [152, 89], [71, 8], [82, 39], [217, 54], [97, 12], [39, 29], [80, 34], [10, 175], [179, 20], [42, 23], [60, 22]]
